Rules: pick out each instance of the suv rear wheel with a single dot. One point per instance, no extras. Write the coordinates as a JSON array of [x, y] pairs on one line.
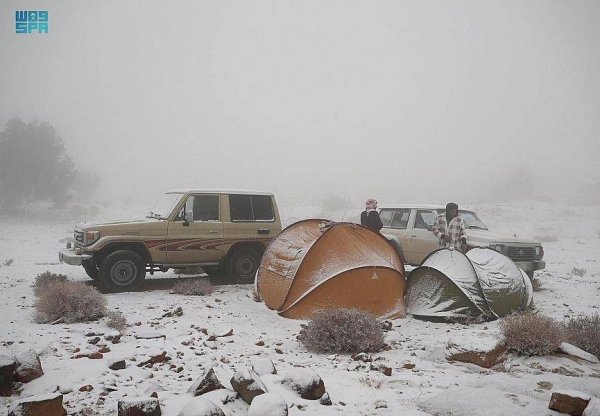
[[243, 265], [122, 271]]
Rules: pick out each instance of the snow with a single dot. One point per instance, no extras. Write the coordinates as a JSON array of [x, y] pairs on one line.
[[268, 404], [432, 385], [578, 352]]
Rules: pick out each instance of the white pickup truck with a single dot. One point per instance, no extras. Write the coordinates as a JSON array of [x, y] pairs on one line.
[[412, 225]]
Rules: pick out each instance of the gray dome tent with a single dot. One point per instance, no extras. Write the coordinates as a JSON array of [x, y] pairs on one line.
[[481, 283]]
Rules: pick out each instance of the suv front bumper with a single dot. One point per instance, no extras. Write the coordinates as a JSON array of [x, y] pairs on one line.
[[67, 255], [531, 266]]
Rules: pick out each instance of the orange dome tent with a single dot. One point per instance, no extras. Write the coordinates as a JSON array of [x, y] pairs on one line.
[[317, 264]]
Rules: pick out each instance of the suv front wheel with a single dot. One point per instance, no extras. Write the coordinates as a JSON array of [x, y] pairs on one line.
[[244, 264], [122, 271]]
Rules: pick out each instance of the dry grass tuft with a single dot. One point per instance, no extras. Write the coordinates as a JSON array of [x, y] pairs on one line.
[[531, 334], [578, 272], [371, 381], [342, 331], [42, 280], [69, 302], [584, 332], [116, 320], [200, 286]]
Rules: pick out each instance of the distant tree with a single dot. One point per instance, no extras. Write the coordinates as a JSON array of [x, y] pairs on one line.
[[34, 165]]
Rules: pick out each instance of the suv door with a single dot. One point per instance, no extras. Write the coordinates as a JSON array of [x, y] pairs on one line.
[[199, 240], [395, 222], [423, 241], [251, 218]]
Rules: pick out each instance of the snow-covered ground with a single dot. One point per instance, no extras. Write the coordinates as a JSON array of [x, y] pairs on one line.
[[422, 378]]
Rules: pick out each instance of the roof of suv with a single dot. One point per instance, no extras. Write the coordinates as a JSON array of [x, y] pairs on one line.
[[218, 191]]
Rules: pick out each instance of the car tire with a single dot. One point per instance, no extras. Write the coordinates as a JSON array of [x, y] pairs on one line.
[[530, 275], [91, 269], [122, 271], [242, 266]]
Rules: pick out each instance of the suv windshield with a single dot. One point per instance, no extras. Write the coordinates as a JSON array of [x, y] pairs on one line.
[[164, 206], [471, 219]]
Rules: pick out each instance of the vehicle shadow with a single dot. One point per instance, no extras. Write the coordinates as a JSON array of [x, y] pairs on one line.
[[166, 283]]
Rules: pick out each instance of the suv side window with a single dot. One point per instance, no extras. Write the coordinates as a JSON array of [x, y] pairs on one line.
[[386, 216], [424, 219], [400, 218], [204, 207], [251, 208]]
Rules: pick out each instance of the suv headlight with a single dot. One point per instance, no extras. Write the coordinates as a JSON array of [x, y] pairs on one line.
[[539, 252], [91, 237], [498, 247]]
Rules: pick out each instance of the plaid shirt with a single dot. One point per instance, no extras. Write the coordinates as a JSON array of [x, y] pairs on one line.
[[456, 231]]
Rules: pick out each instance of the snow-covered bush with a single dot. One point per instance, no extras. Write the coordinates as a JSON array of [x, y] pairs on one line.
[[8, 262], [116, 320], [69, 302], [342, 331], [531, 334], [197, 287], [578, 272], [42, 280], [584, 332]]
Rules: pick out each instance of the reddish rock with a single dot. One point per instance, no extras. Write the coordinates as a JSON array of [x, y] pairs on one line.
[[306, 383], [138, 406], [29, 366], [569, 402], [7, 375], [87, 387], [207, 382], [42, 405], [248, 384]]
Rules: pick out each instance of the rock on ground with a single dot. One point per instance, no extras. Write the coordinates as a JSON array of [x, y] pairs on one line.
[[42, 405], [268, 404]]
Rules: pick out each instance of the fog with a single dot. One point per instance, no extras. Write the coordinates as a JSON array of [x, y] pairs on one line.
[[401, 101]]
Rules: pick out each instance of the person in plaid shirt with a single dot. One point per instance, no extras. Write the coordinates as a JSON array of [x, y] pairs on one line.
[[449, 228]]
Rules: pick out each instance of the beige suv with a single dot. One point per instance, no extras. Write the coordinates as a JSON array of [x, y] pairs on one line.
[[223, 231], [413, 224]]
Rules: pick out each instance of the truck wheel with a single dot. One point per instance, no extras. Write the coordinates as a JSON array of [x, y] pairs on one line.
[[122, 271], [243, 265], [91, 269]]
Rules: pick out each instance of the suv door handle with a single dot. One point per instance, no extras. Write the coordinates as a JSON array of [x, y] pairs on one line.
[[213, 231]]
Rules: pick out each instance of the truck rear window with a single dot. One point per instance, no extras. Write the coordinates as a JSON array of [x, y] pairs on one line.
[[251, 208]]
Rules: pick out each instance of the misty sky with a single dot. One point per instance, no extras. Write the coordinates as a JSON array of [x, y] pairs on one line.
[[424, 100]]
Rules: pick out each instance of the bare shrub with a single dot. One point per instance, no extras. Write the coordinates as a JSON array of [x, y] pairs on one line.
[[69, 302], [8, 262], [578, 272], [371, 381], [196, 287], [116, 320], [189, 270], [42, 281], [342, 331], [531, 334], [537, 284], [584, 332]]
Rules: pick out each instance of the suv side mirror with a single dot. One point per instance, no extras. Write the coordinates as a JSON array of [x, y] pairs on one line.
[[430, 227], [189, 217]]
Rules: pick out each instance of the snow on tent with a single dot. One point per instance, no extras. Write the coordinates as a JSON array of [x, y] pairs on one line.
[[481, 283], [317, 264]]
